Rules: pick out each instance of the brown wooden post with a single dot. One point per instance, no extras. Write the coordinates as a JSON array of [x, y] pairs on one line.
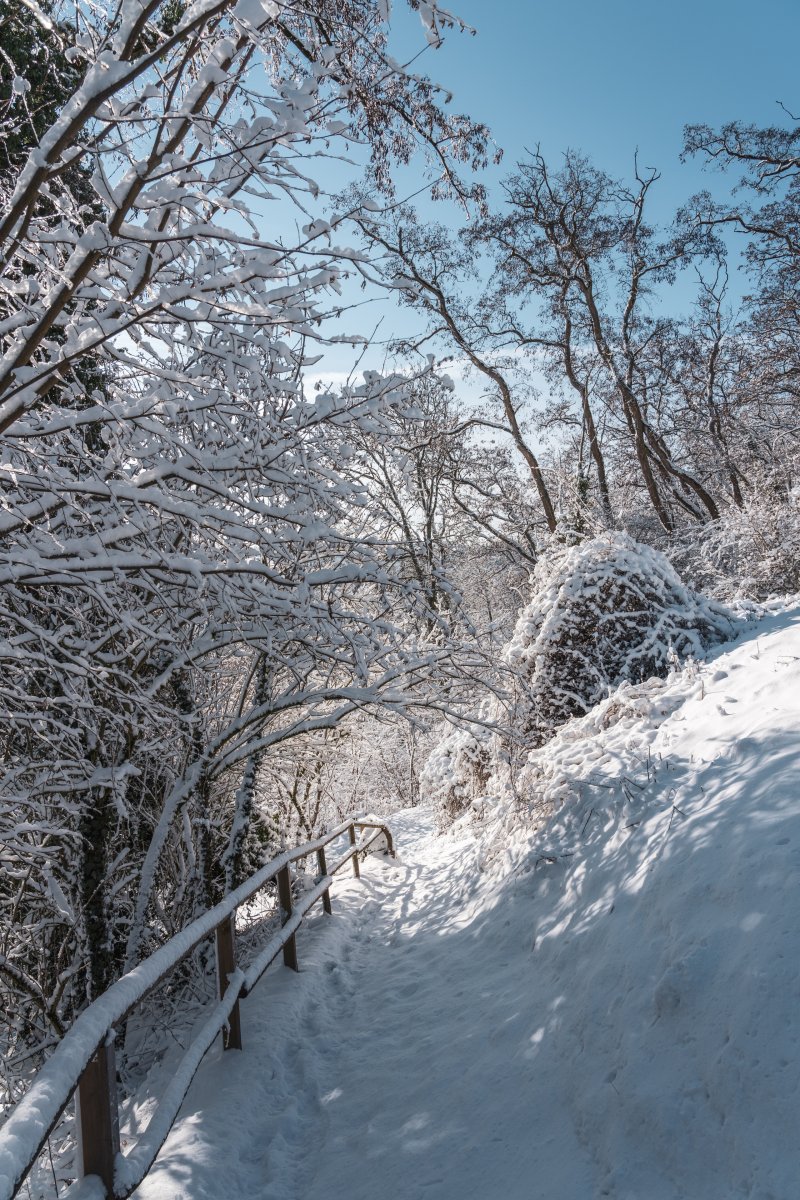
[[285, 901], [226, 965], [323, 870], [98, 1117], [356, 867]]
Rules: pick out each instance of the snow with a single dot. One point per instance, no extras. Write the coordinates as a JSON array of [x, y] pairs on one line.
[[32, 1119], [606, 1006], [132, 1166]]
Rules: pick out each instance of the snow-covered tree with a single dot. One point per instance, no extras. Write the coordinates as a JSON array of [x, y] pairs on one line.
[[184, 587]]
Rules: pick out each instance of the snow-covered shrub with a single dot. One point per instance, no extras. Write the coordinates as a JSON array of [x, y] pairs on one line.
[[600, 758], [607, 615], [456, 773], [750, 553], [606, 611]]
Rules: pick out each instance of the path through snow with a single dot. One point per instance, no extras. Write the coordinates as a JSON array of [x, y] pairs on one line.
[[399, 1064], [617, 1019]]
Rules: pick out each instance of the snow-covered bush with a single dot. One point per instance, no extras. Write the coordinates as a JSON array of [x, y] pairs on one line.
[[604, 754], [456, 773], [606, 611], [750, 553]]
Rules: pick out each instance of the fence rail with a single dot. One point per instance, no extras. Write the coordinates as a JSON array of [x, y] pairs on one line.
[[83, 1063]]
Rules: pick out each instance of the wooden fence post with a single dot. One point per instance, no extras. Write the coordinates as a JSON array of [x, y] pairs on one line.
[[226, 965], [323, 870], [285, 901], [98, 1117], [356, 867]]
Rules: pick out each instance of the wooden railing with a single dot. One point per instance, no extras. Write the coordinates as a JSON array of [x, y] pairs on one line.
[[83, 1062]]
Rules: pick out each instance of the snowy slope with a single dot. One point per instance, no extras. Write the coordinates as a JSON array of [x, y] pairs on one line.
[[607, 1008]]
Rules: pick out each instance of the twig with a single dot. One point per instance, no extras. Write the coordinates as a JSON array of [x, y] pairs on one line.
[[52, 1165]]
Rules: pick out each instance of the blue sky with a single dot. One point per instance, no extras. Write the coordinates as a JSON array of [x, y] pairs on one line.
[[609, 79]]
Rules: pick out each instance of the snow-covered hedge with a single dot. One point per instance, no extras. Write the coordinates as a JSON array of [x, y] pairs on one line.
[[607, 611]]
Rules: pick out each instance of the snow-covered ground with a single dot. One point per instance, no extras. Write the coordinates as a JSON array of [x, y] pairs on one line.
[[609, 1007]]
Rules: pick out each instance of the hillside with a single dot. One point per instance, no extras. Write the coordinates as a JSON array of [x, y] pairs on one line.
[[607, 1008]]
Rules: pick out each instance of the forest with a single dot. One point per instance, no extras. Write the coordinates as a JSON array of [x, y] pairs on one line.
[[238, 603]]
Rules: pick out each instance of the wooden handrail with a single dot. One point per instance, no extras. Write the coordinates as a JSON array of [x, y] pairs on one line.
[[376, 825], [83, 1062]]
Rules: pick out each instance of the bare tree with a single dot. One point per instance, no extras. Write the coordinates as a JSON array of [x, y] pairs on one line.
[[767, 212], [426, 265], [576, 246]]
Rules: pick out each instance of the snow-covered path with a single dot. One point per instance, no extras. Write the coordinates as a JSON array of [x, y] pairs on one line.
[[432, 1093], [611, 1010], [401, 1063]]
